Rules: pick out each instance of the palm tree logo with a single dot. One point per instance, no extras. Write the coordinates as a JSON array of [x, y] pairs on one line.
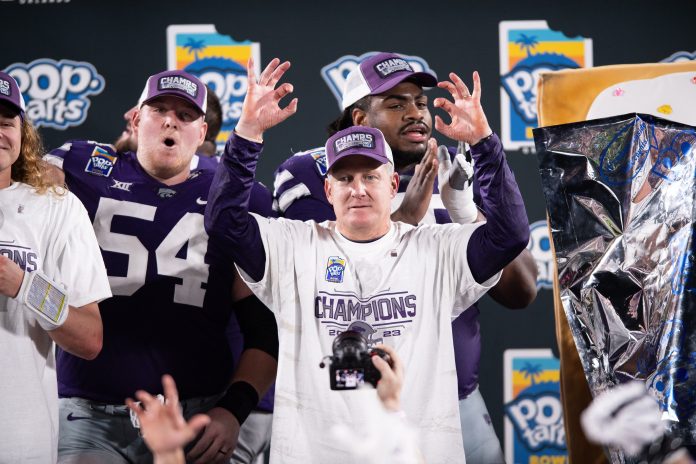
[[531, 371], [194, 46], [527, 43]]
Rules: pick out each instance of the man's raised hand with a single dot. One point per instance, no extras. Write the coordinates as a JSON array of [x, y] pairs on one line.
[[469, 123], [261, 109]]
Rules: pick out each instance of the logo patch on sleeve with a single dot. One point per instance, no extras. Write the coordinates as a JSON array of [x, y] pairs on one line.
[[100, 163], [334, 269], [320, 161]]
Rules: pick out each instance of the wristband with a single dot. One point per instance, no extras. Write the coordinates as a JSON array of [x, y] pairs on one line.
[[240, 399], [46, 299]]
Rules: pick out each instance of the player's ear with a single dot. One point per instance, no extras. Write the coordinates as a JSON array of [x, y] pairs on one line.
[[204, 130], [394, 184], [359, 117], [135, 121], [328, 191]]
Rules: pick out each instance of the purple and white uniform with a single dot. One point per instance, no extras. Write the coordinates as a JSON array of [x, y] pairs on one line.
[[171, 284]]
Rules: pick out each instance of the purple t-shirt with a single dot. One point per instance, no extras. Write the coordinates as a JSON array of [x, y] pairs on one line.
[[299, 194], [172, 310]]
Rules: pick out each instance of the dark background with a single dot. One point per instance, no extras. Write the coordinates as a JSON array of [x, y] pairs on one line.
[[126, 42]]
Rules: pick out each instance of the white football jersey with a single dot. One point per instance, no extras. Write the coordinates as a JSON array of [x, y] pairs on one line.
[[398, 290], [53, 234]]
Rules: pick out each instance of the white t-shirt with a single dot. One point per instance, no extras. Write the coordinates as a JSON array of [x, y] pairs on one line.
[[53, 234], [399, 290]]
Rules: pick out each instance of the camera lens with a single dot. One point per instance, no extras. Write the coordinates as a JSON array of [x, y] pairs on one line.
[[349, 345]]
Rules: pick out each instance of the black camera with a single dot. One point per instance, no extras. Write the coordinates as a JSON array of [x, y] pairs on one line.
[[351, 363]]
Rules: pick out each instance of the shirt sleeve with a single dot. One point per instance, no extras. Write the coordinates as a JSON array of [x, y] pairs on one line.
[[446, 245], [74, 257], [261, 201], [506, 231], [287, 246], [227, 214]]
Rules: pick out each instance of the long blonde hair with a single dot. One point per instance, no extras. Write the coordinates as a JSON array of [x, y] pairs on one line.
[[29, 167]]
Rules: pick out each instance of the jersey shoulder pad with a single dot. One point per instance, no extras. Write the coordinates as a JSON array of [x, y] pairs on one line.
[[315, 156], [97, 158], [302, 175], [81, 147], [206, 163]]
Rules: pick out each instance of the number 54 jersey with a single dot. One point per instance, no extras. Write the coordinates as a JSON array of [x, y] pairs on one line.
[[172, 298]]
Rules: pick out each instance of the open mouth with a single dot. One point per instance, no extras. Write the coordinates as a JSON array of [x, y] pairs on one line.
[[169, 142], [416, 132]]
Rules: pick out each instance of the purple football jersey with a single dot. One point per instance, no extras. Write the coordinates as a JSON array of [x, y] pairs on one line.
[[172, 310], [299, 194]]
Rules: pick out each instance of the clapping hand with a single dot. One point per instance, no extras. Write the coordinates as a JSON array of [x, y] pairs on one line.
[[420, 189]]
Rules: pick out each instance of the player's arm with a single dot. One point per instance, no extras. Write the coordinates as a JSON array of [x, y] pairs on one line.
[[517, 288], [255, 373], [81, 334], [506, 232], [227, 213], [77, 330]]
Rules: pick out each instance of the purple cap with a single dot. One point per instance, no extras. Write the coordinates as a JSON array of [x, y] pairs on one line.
[[176, 83], [380, 73], [358, 140], [9, 92]]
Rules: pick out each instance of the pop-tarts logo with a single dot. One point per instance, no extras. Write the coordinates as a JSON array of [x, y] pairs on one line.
[[334, 269], [534, 431], [336, 72], [178, 83], [101, 162], [359, 139], [56, 92], [540, 247], [319, 157], [218, 61], [677, 57], [388, 67], [5, 88], [538, 418], [527, 49]]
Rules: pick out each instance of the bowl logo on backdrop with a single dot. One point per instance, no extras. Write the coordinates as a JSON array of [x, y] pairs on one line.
[[680, 56], [335, 73], [540, 247], [56, 92], [218, 61], [534, 431], [527, 49]]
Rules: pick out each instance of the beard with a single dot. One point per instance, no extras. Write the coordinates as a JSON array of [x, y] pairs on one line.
[[404, 159]]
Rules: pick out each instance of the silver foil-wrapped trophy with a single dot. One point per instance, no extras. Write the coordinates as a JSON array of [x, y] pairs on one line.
[[620, 198]]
